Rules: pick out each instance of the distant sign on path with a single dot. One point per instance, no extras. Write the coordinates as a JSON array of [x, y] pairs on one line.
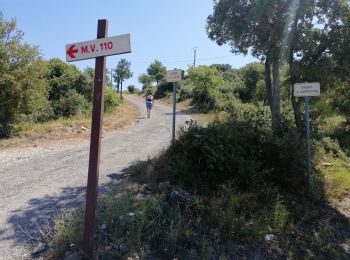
[[307, 89], [173, 75], [97, 48]]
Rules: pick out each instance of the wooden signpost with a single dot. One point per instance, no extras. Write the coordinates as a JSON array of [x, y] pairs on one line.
[[98, 49]]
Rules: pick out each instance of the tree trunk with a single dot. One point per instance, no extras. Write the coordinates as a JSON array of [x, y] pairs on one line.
[[276, 98], [121, 89], [118, 83], [267, 78], [297, 112], [295, 103]]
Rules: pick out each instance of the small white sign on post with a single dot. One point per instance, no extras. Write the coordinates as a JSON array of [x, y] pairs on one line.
[[97, 48], [307, 89], [173, 75]]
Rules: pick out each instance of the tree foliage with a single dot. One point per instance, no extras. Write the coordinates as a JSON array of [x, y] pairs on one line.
[[145, 80], [306, 33], [122, 72], [66, 83], [341, 99], [251, 74], [206, 82], [33, 90], [156, 71], [111, 101], [23, 89], [131, 89]]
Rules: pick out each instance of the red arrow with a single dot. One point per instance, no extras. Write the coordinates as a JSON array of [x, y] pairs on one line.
[[71, 51]]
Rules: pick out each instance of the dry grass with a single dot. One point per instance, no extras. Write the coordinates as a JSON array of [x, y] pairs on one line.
[[124, 116], [70, 131]]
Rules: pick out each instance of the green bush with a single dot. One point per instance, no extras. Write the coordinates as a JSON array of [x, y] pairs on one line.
[[321, 108], [163, 89], [131, 89], [112, 101], [251, 74], [260, 92], [145, 90], [186, 91], [240, 150], [206, 82], [331, 147], [71, 104], [279, 213], [340, 97]]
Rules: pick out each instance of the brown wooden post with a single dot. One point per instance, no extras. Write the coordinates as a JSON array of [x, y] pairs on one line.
[[95, 144]]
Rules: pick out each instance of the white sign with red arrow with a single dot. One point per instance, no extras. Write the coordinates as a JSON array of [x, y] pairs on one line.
[[97, 48]]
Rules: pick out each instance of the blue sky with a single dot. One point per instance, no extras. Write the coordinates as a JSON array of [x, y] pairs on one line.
[[160, 29]]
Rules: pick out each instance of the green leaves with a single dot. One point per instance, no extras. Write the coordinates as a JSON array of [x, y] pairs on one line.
[[122, 71], [23, 89], [156, 71], [145, 80], [206, 82]]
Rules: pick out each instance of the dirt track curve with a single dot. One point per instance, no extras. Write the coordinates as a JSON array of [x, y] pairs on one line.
[[41, 185]]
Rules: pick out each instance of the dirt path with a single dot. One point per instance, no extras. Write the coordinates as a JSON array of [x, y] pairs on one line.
[[44, 183]]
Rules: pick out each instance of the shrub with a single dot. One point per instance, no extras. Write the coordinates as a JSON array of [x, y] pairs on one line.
[[131, 89], [341, 99], [112, 101], [186, 91], [145, 90], [331, 147], [240, 150], [280, 213], [206, 82], [68, 232], [163, 89], [70, 104]]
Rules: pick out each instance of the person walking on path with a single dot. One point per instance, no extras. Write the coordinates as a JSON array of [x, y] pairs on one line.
[[149, 103]]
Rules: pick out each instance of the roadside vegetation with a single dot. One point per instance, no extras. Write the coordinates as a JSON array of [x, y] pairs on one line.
[[227, 189], [237, 187], [34, 91], [68, 131]]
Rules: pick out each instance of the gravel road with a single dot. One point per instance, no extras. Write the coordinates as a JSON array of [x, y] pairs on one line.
[[41, 184]]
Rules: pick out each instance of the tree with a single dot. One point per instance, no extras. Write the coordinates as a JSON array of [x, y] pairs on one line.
[[145, 80], [341, 99], [89, 74], [61, 77], [206, 81], [251, 74], [257, 26], [117, 79], [122, 72], [156, 71], [23, 87], [318, 46], [277, 31], [222, 67], [131, 89], [68, 85]]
